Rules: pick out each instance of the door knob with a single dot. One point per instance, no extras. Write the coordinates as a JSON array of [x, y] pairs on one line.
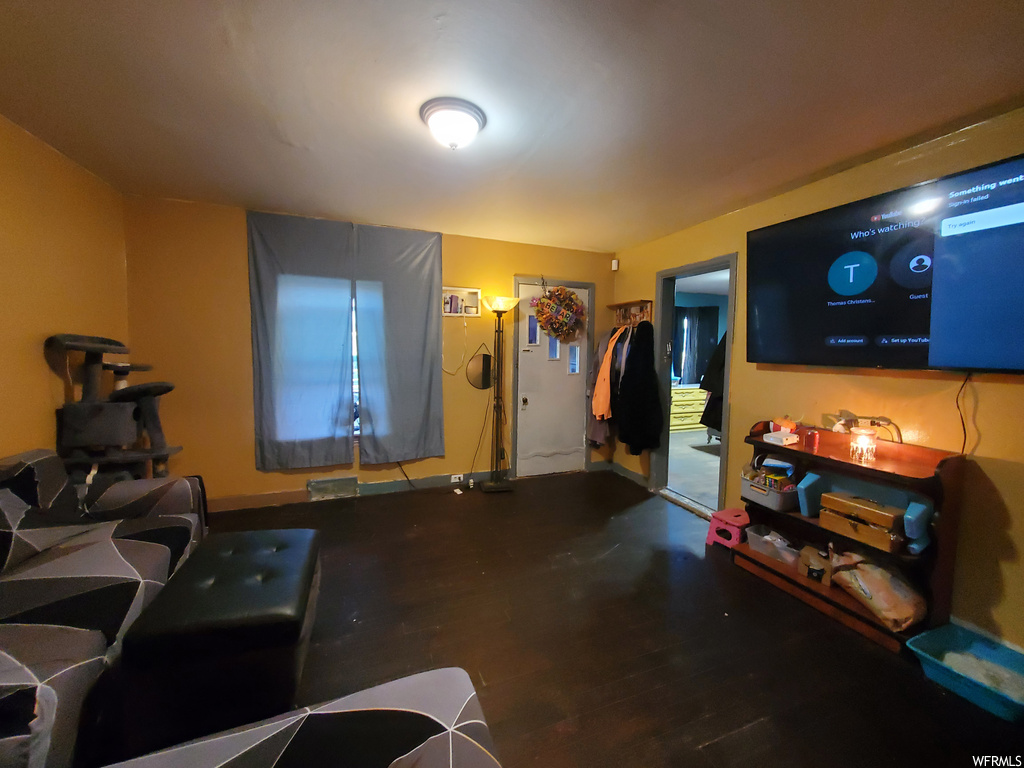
[[526, 402]]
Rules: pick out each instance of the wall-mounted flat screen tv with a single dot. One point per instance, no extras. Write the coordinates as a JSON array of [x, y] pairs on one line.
[[931, 276]]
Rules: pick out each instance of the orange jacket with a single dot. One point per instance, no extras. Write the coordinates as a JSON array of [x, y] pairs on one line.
[[601, 402]]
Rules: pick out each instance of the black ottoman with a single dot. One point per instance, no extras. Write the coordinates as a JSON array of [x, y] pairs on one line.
[[223, 643]]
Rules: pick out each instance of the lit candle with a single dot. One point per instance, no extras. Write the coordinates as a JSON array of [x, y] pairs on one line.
[[862, 445]]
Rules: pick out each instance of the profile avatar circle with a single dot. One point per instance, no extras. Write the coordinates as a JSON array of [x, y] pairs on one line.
[[853, 273]]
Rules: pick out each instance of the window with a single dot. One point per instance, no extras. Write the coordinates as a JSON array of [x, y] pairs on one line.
[[355, 373], [574, 358], [554, 348], [310, 318], [346, 338], [310, 324], [533, 332], [372, 353]]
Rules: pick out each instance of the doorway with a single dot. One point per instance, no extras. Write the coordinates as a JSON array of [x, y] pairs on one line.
[[694, 318], [549, 397]]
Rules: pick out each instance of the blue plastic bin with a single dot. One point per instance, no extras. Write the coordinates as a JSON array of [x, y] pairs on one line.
[[930, 647]]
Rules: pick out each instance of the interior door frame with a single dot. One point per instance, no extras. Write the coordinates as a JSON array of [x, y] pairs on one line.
[[588, 352], [665, 293]]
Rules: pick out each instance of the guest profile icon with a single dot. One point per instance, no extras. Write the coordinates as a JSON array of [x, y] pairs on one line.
[[921, 264], [910, 262]]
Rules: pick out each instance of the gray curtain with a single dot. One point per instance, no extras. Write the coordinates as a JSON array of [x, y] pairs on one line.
[[398, 322], [684, 345], [692, 348], [300, 291], [303, 275]]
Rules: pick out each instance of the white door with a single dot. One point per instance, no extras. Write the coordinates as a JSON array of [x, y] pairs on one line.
[[552, 419]]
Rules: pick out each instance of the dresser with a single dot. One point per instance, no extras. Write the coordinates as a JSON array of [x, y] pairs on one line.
[[687, 407]]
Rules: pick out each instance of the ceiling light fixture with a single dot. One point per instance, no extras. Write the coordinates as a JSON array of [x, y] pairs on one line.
[[453, 122]]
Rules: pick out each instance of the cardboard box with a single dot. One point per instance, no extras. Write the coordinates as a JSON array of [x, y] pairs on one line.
[[872, 535], [867, 510], [815, 566]]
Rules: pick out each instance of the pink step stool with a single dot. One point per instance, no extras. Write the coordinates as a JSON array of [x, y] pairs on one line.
[[727, 527]]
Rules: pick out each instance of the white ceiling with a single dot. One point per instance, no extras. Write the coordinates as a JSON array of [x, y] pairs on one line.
[[716, 283], [610, 122]]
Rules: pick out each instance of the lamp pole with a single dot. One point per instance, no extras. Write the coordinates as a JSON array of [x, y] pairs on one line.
[[498, 481]]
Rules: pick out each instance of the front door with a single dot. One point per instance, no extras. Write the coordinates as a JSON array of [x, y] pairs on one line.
[[552, 384]]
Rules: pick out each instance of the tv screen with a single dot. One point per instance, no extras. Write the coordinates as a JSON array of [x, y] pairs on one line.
[[931, 276]]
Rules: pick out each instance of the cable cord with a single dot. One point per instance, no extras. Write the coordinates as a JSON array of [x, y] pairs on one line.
[[963, 424], [480, 440], [465, 343], [890, 426], [487, 410], [406, 476], [887, 429]]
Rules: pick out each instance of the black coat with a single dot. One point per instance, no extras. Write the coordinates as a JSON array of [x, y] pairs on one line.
[[637, 410], [713, 381]]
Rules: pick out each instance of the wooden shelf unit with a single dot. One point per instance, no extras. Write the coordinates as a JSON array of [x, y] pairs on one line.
[[933, 473], [633, 312], [832, 600]]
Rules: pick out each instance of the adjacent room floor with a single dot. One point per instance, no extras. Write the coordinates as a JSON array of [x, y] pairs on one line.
[[600, 632], [693, 466]]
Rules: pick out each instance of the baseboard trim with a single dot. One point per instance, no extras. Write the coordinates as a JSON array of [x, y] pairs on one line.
[[686, 503], [985, 633], [420, 483], [297, 496], [620, 470], [253, 500], [280, 498]]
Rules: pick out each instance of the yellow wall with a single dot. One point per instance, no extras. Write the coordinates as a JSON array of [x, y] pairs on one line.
[[189, 313], [64, 235], [989, 588], [62, 251]]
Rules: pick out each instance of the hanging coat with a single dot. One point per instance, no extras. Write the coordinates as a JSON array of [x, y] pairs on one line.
[[713, 382], [601, 401], [639, 412], [598, 430]]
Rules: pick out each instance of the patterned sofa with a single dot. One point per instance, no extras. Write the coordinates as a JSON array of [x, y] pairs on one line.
[[77, 566], [429, 720]]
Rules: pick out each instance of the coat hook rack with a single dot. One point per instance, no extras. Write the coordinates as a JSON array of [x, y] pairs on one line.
[[633, 312]]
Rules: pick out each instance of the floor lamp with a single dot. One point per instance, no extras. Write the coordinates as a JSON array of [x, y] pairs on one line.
[[499, 305]]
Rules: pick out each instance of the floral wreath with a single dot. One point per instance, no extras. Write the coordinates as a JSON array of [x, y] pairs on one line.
[[560, 313]]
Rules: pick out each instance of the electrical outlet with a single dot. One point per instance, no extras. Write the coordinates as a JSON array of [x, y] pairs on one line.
[[456, 478]]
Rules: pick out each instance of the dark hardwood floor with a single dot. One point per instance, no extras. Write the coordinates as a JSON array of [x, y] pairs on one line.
[[600, 632]]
